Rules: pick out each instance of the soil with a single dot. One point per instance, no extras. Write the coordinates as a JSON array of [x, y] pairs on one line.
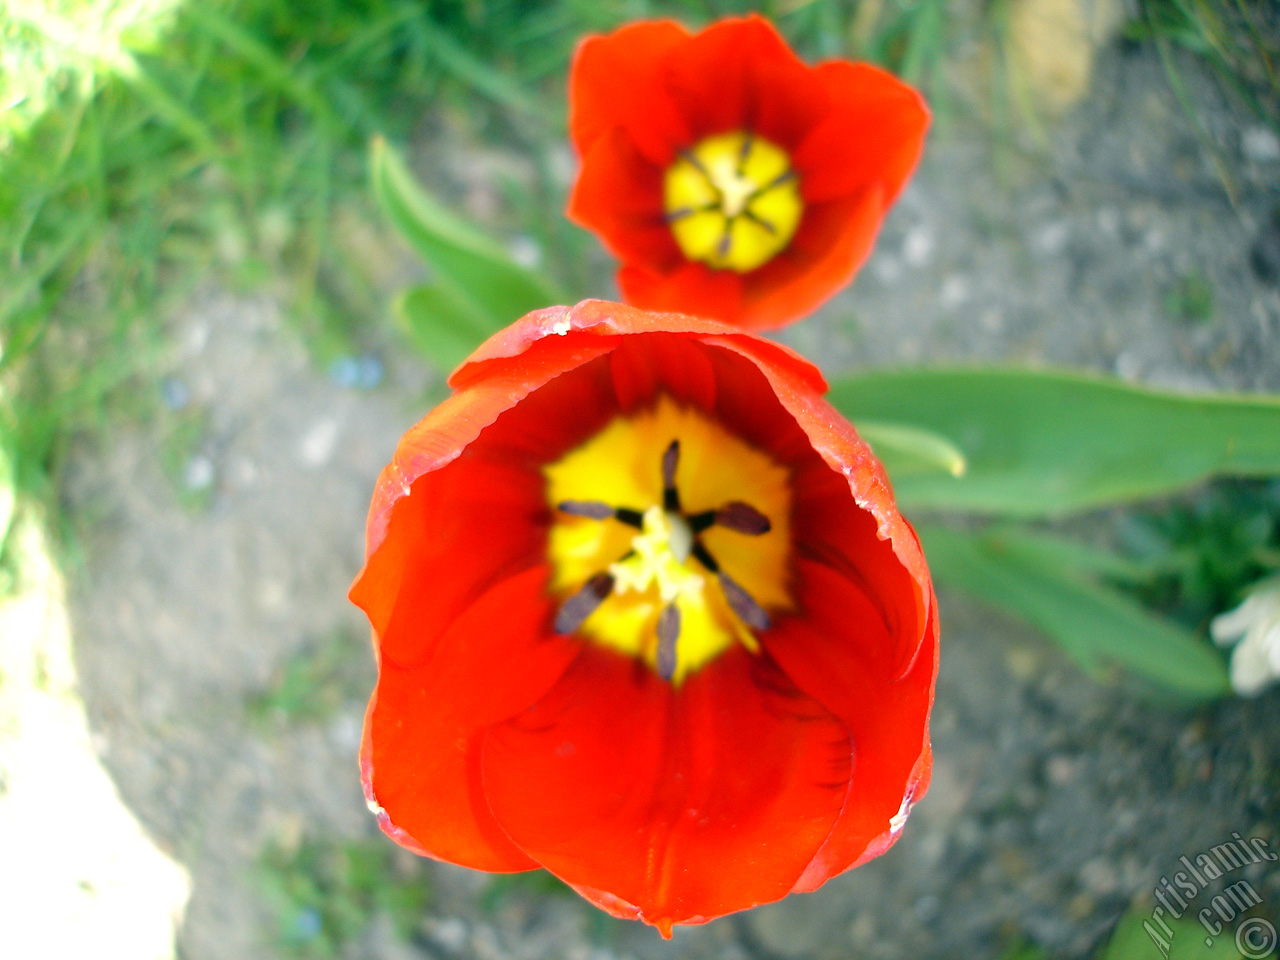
[[1057, 803]]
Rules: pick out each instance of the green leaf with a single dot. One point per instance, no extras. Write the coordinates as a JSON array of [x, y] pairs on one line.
[[442, 327], [1167, 938], [1048, 443], [471, 267], [1095, 625], [906, 449]]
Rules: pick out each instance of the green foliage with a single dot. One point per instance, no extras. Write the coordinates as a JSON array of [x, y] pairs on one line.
[[910, 37], [312, 684], [1191, 558], [476, 288], [324, 893], [1043, 444], [1054, 586], [1131, 941], [535, 884], [905, 449], [1190, 298]]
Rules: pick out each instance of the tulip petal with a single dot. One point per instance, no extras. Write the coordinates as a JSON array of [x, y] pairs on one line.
[[421, 751], [872, 136], [690, 288], [739, 74], [685, 802], [829, 248], [834, 650], [615, 82], [618, 195], [854, 470], [642, 369]]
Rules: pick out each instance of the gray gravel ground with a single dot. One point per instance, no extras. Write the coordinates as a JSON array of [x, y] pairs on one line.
[[1056, 802]]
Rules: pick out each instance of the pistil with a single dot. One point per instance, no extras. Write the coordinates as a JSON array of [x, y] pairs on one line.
[[658, 561]]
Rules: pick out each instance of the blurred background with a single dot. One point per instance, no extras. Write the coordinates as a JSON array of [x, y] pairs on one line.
[[202, 371]]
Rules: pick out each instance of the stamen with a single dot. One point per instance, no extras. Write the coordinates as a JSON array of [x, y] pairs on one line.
[[726, 239], [743, 604], [670, 495], [580, 605], [704, 557], [599, 510], [742, 517], [692, 159], [668, 635], [740, 602], [735, 515], [632, 518], [594, 509], [748, 141], [683, 212], [784, 177], [758, 220]]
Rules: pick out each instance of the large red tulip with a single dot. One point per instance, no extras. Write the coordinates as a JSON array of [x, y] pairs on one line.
[[645, 615]]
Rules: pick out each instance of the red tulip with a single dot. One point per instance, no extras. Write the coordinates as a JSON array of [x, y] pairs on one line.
[[732, 180], [645, 615]]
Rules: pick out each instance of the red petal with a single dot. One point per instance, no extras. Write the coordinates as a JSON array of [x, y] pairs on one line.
[[548, 342], [643, 367], [618, 195], [692, 288], [856, 467], [427, 570], [835, 650], [687, 803], [833, 521], [833, 242], [872, 136], [739, 74], [421, 758], [615, 82]]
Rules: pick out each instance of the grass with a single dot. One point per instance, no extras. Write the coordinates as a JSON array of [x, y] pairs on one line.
[[314, 683], [325, 893]]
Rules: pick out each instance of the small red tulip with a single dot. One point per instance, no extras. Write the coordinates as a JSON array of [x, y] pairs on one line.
[[645, 615], [731, 179]]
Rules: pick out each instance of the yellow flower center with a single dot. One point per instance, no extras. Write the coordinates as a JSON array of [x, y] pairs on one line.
[[733, 201], [670, 539]]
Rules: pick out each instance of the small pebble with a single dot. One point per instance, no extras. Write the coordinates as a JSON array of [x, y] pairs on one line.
[[954, 292], [1060, 770], [369, 372], [318, 443], [1051, 239], [199, 473], [175, 392], [449, 932], [918, 246], [1260, 145], [356, 373]]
